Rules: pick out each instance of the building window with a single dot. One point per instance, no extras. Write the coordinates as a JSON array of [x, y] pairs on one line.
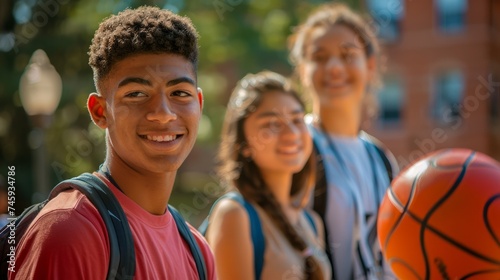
[[390, 99], [451, 15], [448, 94], [387, 16]]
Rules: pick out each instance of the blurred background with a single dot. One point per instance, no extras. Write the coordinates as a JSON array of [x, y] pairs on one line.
[[442, 81]]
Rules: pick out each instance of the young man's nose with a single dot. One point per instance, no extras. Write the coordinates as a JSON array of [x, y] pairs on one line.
[[161, 110]]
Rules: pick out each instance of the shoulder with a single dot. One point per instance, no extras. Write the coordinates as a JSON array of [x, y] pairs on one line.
[[67, 230], [68, 218], [69, 212], [228, 213], [229, 220], [230, 239]]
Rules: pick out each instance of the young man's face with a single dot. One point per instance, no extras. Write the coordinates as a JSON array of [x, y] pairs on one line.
[[151, 108]]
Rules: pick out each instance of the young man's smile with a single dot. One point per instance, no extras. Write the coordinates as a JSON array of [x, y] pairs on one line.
[[162, 142], [151, 111]]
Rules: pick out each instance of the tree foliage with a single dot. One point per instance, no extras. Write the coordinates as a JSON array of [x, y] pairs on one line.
[[236, 37]]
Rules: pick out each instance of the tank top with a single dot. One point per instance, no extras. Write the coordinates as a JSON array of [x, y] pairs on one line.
[[281, 260]]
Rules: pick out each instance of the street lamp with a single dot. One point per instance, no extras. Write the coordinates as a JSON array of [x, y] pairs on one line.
[[40, 90]]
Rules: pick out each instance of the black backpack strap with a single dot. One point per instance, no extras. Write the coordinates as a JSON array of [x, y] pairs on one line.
[[19, 225], [320, 186], [189, 238], [122, 254], [383, 153], [320, 195], [386, 161]]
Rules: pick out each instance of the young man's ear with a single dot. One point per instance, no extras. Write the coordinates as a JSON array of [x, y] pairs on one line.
[[200, 97], [96, 105]]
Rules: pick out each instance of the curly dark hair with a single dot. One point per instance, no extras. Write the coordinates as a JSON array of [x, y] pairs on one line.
[[142, 30]]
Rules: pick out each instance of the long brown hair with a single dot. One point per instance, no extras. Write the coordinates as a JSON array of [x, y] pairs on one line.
[[242, 173]]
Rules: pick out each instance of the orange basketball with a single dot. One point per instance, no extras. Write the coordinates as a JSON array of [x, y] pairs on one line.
[[440, 219]]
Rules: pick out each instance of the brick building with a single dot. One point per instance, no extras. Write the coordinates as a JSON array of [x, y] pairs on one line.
[[442, 80]]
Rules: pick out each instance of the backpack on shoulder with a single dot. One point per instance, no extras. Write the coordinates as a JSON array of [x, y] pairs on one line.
[[320, 190], [122, 254], [256, 233]]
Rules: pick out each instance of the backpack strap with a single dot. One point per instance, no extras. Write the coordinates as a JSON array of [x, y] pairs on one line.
[[122, 254], [256, 234], [320, 190], [258, 241], [386, 161], [19, 224], [320, 194], [188, 237], [310, 219], [382, 152]]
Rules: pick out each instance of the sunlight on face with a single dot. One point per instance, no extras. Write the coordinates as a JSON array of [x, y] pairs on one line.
[[278, 139]]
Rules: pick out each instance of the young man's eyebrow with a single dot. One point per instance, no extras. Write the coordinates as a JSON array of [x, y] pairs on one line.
[[181, 80], [142, 81], [135, 80]]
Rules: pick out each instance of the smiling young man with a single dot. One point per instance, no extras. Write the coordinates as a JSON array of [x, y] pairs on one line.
[[144, 63]]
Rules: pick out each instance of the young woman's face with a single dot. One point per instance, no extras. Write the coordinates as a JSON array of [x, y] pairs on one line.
[[276, 134], [335, 68]]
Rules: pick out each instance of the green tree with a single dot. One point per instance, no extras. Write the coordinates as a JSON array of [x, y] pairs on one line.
[[236, 37]]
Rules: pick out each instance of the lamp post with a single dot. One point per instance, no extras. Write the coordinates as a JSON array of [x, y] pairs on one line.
[[40, 90]]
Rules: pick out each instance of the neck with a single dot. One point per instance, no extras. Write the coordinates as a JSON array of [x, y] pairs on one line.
[[150, 191], [340, 122], [280, 185]]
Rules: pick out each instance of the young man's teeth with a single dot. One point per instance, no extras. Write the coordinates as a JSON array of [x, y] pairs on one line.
[[160, 138]]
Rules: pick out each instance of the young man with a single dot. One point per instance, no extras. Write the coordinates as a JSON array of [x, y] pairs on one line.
[[144, 64]]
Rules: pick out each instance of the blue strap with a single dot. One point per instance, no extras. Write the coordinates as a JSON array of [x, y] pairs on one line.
[[311, 221], [259, 244], [188, 237]]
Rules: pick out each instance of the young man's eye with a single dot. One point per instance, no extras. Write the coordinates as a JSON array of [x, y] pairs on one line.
[[135, 94], [181, 93]]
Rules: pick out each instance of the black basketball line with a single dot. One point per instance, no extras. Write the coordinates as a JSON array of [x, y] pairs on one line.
[[435, 207], [485, 217], [402, 262], [453, 242], [478, 273], [393, 197], [405, 211]]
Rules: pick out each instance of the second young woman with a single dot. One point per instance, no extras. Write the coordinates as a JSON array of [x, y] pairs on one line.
[[335, 54], [265, 155]]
